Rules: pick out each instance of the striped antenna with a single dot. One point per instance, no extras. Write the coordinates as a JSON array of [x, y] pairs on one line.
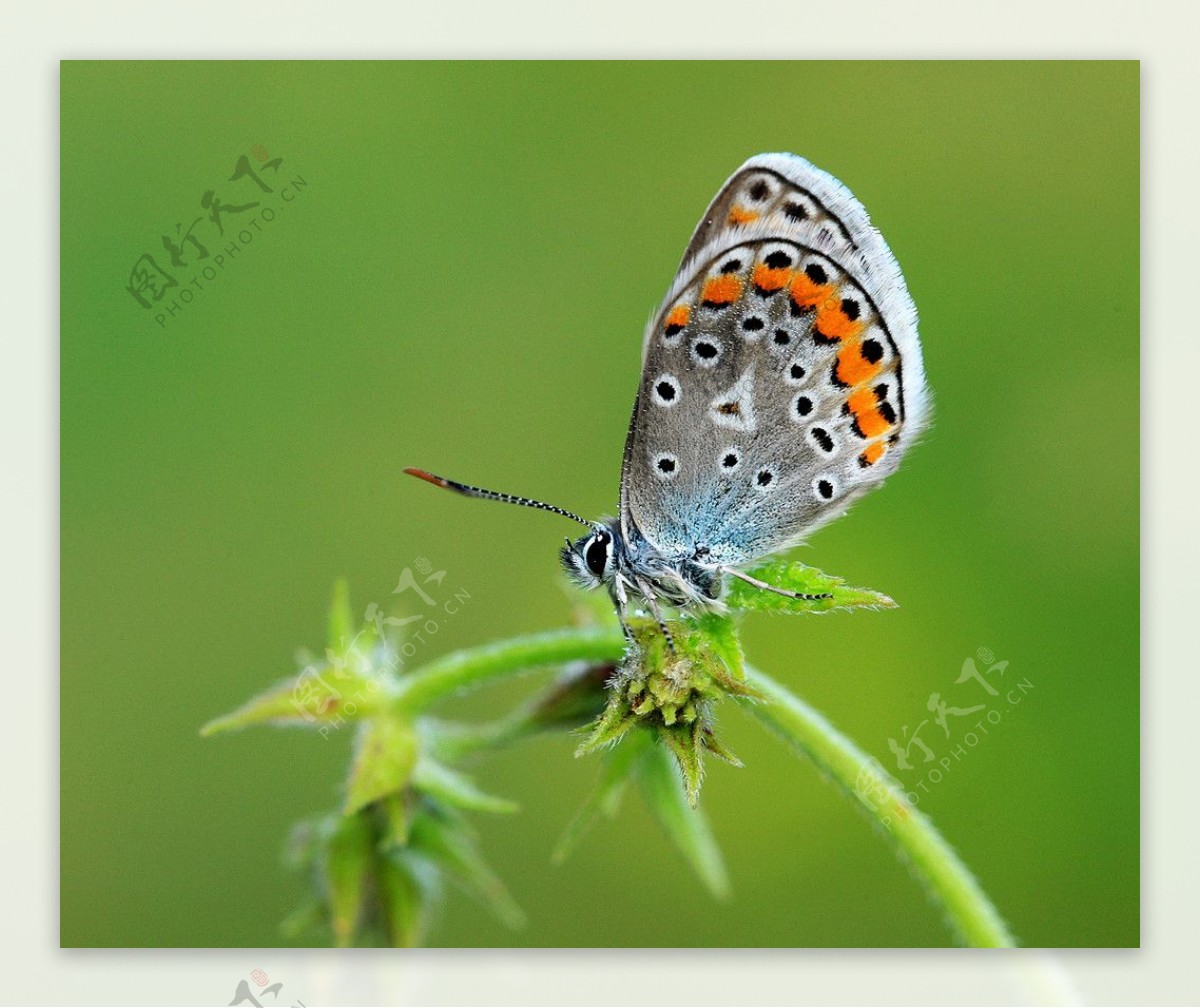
[[473, 491]]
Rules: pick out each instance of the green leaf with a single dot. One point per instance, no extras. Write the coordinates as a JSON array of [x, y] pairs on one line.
[[448, 840], [384, 758], [454, 788], [348, 855], [687, 827], [797, 577], [720, 634], [619, 764]]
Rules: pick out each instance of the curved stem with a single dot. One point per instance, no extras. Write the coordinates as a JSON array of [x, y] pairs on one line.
[[933, 861], [463, 670]]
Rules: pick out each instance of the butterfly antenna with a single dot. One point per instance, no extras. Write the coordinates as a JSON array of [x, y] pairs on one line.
[[473, 491]]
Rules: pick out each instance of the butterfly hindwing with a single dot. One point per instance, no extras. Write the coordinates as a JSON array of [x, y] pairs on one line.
[[782, 377]]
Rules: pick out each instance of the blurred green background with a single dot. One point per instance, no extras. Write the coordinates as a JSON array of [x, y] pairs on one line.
[[462, 285]]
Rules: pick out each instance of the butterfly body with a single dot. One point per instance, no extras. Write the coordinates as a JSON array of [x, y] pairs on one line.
[[782, 379], [627, 564]]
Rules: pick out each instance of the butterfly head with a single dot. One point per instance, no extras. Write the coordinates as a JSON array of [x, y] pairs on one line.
[[591, 559]]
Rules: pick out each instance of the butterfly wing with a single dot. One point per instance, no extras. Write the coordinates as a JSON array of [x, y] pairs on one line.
[[782, 376]]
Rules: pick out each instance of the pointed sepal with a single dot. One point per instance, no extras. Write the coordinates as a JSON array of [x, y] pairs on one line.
[[616, 720], [684, 743], [619, 766], [448, 839], [313, 699], [384, 758], [408, 892], [686, 825], [453, 788], [348, 853]]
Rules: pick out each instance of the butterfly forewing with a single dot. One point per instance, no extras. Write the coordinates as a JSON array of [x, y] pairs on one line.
[[782, 376]]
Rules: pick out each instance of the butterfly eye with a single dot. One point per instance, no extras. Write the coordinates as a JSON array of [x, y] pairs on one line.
[[596, 554]]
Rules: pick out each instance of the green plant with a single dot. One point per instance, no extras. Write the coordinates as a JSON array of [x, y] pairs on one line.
[[378, 864]]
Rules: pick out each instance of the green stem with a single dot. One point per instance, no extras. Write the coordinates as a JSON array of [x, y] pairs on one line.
[[464, 670], [933, 861]]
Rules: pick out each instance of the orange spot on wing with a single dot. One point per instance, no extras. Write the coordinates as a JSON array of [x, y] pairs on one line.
[[807, 294], [768, 279], [722, 290], [861, 401], [739, 215], [854, 369], [874, 452], [834, 324], [865, 406], [872, 423], [678, 316]]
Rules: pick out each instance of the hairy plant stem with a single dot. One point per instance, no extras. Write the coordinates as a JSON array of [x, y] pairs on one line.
[[464, 670], [932, 860], [970, 913]]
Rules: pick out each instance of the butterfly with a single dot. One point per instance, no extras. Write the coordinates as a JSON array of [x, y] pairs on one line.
[[781, 380]]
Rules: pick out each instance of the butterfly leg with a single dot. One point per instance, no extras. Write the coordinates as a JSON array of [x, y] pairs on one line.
[[622, 602], [771, 588], [648, 594]]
